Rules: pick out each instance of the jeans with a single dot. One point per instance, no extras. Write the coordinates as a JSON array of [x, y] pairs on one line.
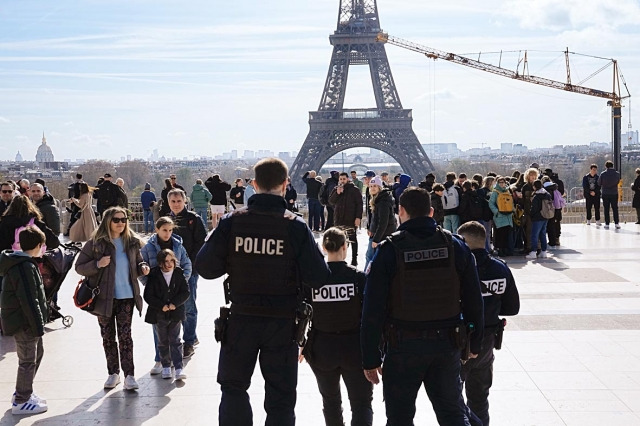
[[270, 341], [595, 203], [29, 350], [610, 200], [191, 322], [452, 222], [487, 228], [202, 212], [369, 255], [539, 233], [314, 214], [430, 362], [169, 344], [120, 318], [477, 375], [148, 221]]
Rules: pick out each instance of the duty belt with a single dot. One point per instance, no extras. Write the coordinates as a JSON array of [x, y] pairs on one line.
[[432, 333], [263, 311]]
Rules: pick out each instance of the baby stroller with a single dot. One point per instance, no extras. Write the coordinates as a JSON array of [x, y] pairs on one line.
[[55, 265]]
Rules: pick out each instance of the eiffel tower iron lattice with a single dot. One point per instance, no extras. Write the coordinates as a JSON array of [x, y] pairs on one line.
[[387, 127]]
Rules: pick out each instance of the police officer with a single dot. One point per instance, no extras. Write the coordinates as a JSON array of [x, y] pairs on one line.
[[333, 348], [500, 296], [421, 286], [266, 251]]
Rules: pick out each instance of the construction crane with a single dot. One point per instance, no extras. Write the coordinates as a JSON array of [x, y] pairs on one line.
[[614, 97]]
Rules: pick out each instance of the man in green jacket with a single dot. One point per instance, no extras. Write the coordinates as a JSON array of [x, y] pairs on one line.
[[200, 197], [24, 312]]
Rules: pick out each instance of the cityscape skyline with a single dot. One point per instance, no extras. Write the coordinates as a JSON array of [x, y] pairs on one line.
[[108, 79]]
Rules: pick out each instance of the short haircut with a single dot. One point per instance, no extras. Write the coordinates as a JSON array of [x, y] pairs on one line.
[[451, 176], [474, 184], [345, 174], [537, 185], [474, 234], [608, 164], [177, 192], [638, 171], [494, 174], [466, 185], [593, 166], [164, 254], [30, 237], [165, 220], [353, 171], [270, 173], [462, 175], [437, 187], [9, 184], [416, 201], [333, 239]]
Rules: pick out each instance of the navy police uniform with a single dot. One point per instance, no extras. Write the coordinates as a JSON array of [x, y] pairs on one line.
[[421, 283], [500, 296], [266, 254], [333, 348]]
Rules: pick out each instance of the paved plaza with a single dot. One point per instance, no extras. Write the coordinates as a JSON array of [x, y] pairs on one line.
[[572, 356]]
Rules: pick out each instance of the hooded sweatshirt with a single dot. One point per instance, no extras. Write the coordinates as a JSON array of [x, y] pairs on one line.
[[23, 304]]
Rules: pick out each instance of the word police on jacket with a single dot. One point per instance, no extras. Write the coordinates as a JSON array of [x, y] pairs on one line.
[[427, 254], [492, 287], [252, 245], [334, 293]]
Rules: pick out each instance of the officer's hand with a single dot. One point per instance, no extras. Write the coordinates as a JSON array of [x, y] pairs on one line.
[[372, 375], [471, 355]]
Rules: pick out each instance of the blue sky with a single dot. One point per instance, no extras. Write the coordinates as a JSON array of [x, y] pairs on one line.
[[104, 79]]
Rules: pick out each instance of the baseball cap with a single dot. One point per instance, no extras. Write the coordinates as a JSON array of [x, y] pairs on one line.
[[534, 166], [369, 173], [107, 175]]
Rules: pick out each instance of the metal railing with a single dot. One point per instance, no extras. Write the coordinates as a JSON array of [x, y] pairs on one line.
[[575, 210]]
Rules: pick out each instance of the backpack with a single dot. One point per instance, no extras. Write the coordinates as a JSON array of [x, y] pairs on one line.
[[450, 198], [323, 195], [548, 211], [475, 207], [16, 236], [558, 201], [505, 202]]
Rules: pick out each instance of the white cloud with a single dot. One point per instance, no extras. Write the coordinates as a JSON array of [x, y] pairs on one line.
[[4, 120]]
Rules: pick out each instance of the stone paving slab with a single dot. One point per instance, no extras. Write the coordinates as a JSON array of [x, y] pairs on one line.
[[571, 357]]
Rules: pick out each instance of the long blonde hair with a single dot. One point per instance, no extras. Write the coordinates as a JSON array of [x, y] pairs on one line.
[[103, 231]]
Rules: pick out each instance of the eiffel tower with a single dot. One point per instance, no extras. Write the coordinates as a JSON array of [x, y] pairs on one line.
[[386, 128]]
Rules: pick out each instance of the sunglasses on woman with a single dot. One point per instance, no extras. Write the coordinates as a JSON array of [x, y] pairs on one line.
[[119, 219]]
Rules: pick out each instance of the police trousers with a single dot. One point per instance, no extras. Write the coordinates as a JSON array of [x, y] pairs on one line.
[[270, 341], [332, 356], [477, 375], [432, 362]]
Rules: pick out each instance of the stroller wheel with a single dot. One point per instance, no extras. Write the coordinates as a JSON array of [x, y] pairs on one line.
[[67, 320]]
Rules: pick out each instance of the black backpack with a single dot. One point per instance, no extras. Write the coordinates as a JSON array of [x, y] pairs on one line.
[[323, 195], [475, 207]]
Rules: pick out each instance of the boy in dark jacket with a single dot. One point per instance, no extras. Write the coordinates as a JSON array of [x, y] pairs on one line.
[[436, 203], [24, 313], [538, 222], [166, 293]]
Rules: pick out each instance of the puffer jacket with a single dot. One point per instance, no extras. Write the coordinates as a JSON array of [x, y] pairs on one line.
[[152, 248], [200, 196], [87, 265], [383, 220], [22, 300], [50, 213]]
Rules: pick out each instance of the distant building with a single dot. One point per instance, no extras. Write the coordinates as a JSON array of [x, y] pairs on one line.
[[19, 157], [44, 154], [506, 148], [249, 154]]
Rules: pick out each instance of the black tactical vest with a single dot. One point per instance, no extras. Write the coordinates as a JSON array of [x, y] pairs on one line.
[[426, 286], [260, 256], [337, 307]]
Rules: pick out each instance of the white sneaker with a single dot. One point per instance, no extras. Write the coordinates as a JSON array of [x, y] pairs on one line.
[[598, 223], [606, 226], [617, 226], [543, 254], [180, 374], [33, 395], [32, 406], [588, 222], [130, 383], [531, 255], [166, 373], [156, 369], [112, 381]]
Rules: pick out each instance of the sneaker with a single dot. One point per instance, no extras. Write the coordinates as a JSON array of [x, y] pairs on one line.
[[33, 395], [588, 222], [531, 255], [543, 254], [166, 373], [188, 351], [180, 374], [617, 226], [130, 383], [598, 223], [196, 342], [156, 369], [32, 406], [606, 226], [112, 381]]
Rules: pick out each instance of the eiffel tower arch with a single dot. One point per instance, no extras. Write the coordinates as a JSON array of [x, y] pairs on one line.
[[387, 127]]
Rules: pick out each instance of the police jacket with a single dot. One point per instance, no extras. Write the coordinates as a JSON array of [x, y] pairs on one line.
[[191, 229], [222, 247], [499, 290], [337, 306], [381, 275]]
